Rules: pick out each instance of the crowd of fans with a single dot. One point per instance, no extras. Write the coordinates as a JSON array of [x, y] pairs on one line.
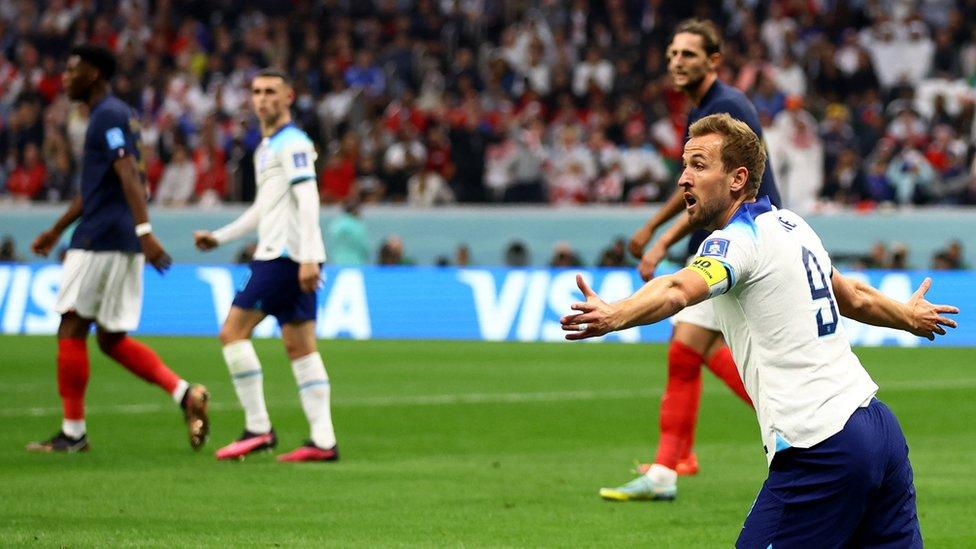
[[437, 101]]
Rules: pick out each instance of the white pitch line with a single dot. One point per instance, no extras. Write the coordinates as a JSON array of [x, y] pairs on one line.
[[469, 398]]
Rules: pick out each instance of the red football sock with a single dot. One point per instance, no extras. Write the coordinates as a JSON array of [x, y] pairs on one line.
[[679, 406], [144, 362], [73, 376], [722, 365]]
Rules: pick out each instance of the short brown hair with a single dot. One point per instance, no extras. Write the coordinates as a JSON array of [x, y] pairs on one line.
[[274, 73], [711, 38], [741, 146]]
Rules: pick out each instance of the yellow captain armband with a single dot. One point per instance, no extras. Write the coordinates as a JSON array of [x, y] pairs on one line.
[[714, 272]]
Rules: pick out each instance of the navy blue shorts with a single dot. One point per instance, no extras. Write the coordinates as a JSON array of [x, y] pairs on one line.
[[273, 288], [852, 490]]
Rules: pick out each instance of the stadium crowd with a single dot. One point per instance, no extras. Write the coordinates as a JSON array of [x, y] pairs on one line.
[[430, 102]]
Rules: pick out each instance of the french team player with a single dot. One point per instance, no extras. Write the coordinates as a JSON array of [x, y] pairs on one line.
[[839, 474], [284, 279], [102, 278]]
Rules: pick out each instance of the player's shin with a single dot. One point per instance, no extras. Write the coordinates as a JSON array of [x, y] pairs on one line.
[[723, 366], [142, 361], [315, 393], [248, 378], [73, 372], [679, 405]]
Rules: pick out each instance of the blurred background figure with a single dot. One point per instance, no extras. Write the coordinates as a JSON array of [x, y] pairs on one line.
[[347, 239]]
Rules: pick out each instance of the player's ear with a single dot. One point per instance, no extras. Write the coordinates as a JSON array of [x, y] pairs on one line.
[[714, 60], [740, 178]]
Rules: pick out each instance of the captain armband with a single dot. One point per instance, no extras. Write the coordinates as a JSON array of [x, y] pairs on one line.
[[716, 274]]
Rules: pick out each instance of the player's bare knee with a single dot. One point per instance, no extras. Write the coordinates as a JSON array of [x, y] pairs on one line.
[[108, 340]]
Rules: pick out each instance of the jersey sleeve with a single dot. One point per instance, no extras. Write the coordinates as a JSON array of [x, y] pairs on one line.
[[297, 156], [115, 135], [724, 259]]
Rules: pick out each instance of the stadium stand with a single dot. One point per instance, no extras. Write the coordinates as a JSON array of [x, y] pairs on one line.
[[432, 102]]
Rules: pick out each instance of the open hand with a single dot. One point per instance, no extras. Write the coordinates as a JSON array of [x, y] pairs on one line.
[[926, 318], [594, 318]]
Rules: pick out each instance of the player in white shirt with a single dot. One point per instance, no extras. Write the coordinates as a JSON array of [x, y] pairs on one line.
[[839, 471], [285, 276]]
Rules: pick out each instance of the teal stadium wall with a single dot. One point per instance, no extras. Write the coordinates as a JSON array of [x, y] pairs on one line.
[[428, 233]]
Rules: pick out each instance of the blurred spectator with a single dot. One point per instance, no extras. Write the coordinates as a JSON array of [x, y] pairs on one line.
[[879, 257], [338, 180], [847, 182], [912, 177], [899, 257], [26, 181], [179, 179], [517, 254], [391, 252], [347, 240], [462, 255], [405, 156], [949, 258], [796, 156], [563, 255], [428, 188], [8, 250], [571, 168], [614, 255], [468, 76]]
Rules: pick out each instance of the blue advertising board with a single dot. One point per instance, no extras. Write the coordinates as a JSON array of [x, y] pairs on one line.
[[493, 304]]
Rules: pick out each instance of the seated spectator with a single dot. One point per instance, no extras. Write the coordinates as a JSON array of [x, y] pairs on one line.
[[179, 179], [26, 181], [391, 252], [517, 254], [563, 255], [8, 250], [614, 255], [571, 168], [60, 180]]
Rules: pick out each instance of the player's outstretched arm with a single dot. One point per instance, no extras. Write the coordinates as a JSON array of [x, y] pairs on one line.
[[135, 195], [674, 205], [861, 302], [655, 301], [245, 223], [46, 241]]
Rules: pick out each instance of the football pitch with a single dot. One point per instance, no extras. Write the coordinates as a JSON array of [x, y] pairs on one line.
[[443, 444]]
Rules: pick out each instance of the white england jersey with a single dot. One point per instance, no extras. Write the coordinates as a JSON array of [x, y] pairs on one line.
[[770, 276], [283, 159]]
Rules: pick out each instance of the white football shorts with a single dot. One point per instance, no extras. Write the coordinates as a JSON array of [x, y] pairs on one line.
[[702, 315], [103, 286]]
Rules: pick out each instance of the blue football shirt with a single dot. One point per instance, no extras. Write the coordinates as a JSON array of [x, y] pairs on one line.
[[722, 98], [106, 220]]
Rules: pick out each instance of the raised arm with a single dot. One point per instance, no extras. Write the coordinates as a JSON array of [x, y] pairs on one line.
[[135, 196], [659, 250], [654, 301], [863, 303]]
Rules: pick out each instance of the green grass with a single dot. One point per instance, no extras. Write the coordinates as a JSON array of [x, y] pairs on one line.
[[444, 444]]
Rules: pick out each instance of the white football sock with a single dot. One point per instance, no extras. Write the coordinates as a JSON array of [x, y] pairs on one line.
[[74, 428], [180, 391], [315, 394], [245, 372], [661, 475]]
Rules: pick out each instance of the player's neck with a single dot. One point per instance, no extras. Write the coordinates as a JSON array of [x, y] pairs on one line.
[[267, 130], [98, 92], [698, 94], [730, 213]]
